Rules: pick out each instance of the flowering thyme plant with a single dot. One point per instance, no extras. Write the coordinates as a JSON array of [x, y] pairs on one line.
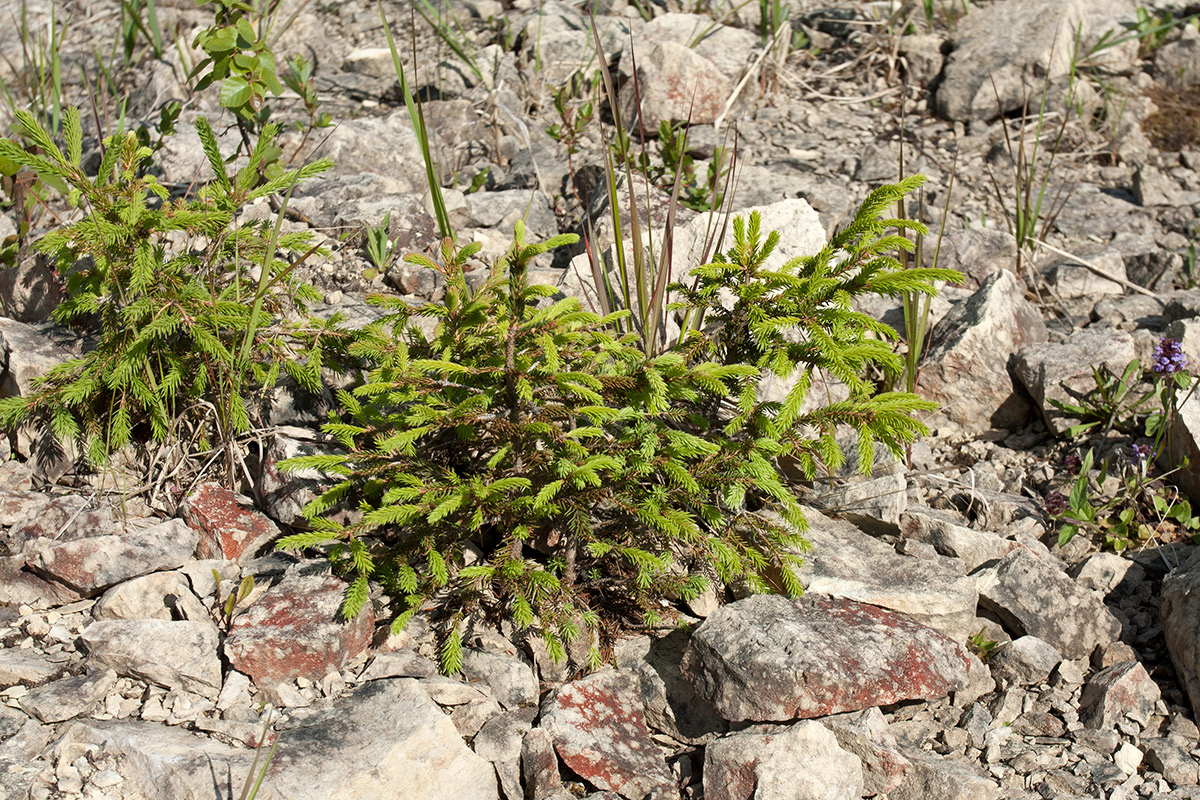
[[1170, 379]]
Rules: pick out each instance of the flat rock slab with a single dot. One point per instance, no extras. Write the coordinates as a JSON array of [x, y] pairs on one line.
[[229, 527], [599, 730], [768, 658], [295, 629], [161, 761], [866, 735], [174, 655], [1033, 597], [930, 777], [92, 564], [63, 699], [974, 548], [25, 666], [845, 562], [803, 762], [385, 740], [1018, 45]]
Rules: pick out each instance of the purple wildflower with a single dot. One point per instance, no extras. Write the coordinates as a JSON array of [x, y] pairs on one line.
[[1169, 357], [1072, 463], [1142, 452], [1055, 503]]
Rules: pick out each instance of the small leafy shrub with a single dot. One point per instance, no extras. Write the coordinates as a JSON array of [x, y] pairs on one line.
[[183, 330], [239, 59], [1144, 504], [1142, 507], [528, 461]]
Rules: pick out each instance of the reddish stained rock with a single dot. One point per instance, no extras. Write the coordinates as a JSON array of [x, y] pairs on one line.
[[295, 629], [599, 730], [768, 658], [229, 528], [92, 564]]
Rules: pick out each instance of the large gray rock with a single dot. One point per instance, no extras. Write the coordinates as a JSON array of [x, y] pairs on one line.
[[866, 735], [1122, 691], [845, 562], [160, 595], [295, 629], [25, 666], [674, 84], [385, 147], [967, 367], [68, 697], [387, 739], [508, 679], [1182, 452], [1025, 660], [725, 46], [500, 742], [802, 762], [173, 655], [1019, 45], [1033, 597], [1062, 371], [1177, 63], [1179, 610], [160, 761], [768, 658], [671, 704], [977, 253], [931, 777]]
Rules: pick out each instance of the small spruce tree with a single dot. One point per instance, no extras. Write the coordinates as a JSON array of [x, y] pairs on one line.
[[527, 461]]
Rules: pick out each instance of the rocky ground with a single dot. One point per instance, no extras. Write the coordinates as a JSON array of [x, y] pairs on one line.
[[947, 647]]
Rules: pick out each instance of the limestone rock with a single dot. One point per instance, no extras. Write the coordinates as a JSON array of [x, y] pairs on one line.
[[386, 739], [674, 83], [1122, 691], [599, 731], [1019, 45], [1062, 371], [173, 655], [68, 697], [92, 564], [845, 562], [229, 527], [1020, 589], [866, 735], [802, 762], [295, 629], [1179, 610], [768, 658], [967, 366], [973, 547]]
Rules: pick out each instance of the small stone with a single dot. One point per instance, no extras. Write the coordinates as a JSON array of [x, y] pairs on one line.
[[1124, 690], [1127, 758]]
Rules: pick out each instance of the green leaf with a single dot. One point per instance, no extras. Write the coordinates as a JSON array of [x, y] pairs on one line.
[[235, 92]]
